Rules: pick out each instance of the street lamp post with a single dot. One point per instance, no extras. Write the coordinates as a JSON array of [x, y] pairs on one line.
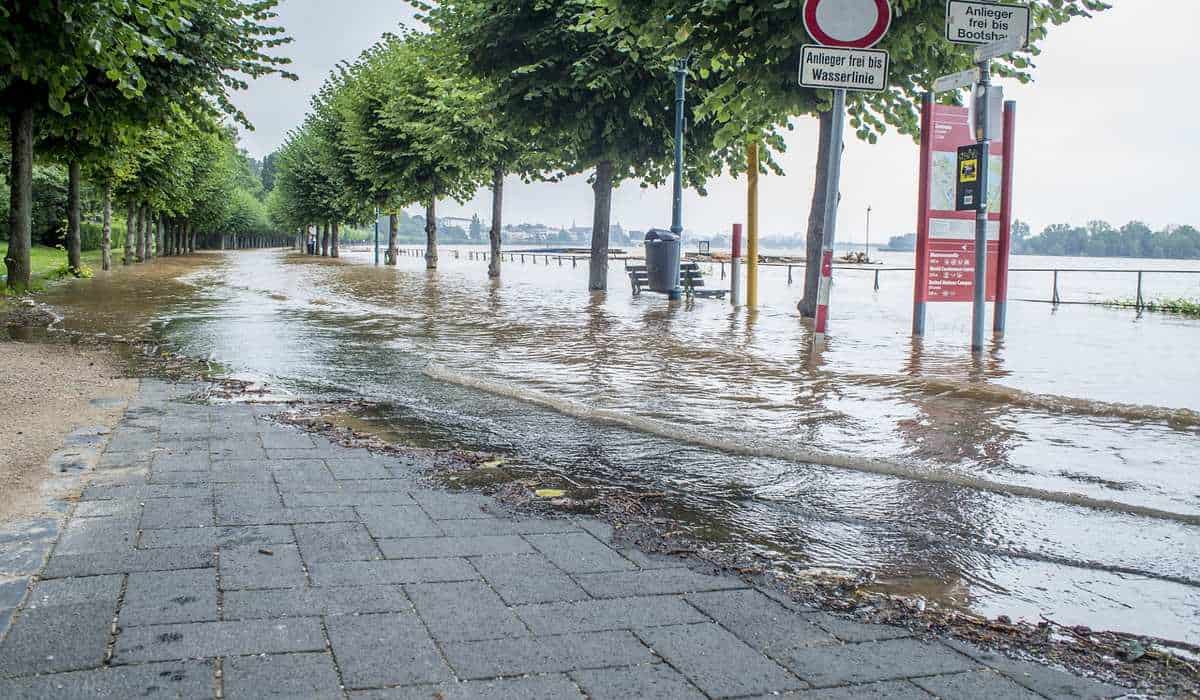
[[868, 251]]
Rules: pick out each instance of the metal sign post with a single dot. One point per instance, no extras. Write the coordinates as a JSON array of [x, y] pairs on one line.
[[841, 61], [983, 138], [376, 236]]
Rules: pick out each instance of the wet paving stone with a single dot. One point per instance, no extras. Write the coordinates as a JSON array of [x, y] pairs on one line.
[[188, 679], [163, 597], [210, 639], [374, 651], [284, 675], [199, 547], [328, 600]]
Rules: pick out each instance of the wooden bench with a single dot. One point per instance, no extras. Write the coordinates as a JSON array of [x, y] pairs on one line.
[[691, 280]]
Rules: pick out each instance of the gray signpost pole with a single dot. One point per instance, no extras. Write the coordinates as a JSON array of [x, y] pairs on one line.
[[376, 235], [832, 195], [982, 136]]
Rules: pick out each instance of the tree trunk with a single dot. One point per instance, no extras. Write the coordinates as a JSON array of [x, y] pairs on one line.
[[431, 255], [325, 241], [129, 233], [393, 249], [149, 234], [74, 216], [192, 236], [602, 211], [106, 231], [20, 203], [497, 215], [334, 236], [160, 247], [139, 244], [816, 220]]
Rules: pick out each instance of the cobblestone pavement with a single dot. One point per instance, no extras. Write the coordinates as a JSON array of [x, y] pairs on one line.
[[215, 554]]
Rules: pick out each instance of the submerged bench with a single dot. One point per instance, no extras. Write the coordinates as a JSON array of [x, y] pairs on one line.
[[691, 280]]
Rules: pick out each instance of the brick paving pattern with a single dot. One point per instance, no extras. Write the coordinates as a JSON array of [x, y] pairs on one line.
[[216, 554]]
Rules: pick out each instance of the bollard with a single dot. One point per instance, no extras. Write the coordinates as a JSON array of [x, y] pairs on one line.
[[1054, 299], [560, 261], [722, 269], [573, 263], [735, 267], [789, 275]]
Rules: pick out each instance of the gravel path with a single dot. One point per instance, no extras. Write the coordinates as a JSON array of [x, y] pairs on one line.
[[46, 392]]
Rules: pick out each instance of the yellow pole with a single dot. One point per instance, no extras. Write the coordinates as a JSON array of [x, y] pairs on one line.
[[752, 225]]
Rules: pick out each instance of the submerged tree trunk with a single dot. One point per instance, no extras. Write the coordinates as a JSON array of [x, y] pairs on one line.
[[431, 255], [816, 221], [139, 243], [393, 249], [601, 213], [20, 203], [74, 216], [106, 230], [497, 215], [333, 243], [160, 247], [149, 237], [129, 232]]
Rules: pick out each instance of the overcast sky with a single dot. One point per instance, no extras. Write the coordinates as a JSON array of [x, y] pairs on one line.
[[1107, 131]]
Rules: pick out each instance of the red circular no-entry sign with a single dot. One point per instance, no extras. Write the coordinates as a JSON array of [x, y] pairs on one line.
[[855, 24]]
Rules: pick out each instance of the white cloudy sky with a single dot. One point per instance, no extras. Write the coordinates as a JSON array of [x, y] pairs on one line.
[[1107, 131]]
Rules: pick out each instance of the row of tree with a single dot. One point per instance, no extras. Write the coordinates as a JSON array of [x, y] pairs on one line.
[[134, 97], [1099, 239], [560, 87]]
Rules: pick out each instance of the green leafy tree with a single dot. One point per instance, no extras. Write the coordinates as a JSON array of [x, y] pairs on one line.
[[595, 104], [57, 58], [414, 127]]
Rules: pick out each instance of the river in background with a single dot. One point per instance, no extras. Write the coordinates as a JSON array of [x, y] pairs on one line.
[[759, 448]]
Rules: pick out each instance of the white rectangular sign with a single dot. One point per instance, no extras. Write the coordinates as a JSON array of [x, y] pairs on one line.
[[954, 81], [849, 69], [970, 22], [1000, 48]]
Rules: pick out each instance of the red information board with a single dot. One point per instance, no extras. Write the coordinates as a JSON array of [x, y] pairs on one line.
[[945, 237]]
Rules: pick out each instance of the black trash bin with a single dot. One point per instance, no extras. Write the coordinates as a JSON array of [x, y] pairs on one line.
[[663, 251]]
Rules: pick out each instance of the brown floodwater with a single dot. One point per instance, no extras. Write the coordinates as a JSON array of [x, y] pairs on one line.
[[1055, 475]]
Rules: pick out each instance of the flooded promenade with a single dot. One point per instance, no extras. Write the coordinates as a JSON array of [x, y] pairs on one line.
[[1088, 414]]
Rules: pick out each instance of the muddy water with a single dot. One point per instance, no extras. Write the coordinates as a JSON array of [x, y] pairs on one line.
[[1056, 475]]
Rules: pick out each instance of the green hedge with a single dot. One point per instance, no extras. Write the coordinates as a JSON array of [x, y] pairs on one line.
[[90, 233]]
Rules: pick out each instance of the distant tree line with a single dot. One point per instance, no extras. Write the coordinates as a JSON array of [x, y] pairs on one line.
[[1101, 240], [1096, 240]]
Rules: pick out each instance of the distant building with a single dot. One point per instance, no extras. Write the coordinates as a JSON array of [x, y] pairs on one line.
[[449, 222]]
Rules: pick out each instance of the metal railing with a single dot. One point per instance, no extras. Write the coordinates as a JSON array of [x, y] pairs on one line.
[[1138, 285]]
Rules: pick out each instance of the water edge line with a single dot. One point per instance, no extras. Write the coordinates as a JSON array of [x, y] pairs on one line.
[[866, 465]]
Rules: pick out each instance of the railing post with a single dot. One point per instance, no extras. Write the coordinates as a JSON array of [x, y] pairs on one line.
[[789, 274], [1054, 299], [1139, 292], [877, 280]]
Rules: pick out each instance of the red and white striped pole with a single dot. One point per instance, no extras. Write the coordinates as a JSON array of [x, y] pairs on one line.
[[823, 293], [832, 196]]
